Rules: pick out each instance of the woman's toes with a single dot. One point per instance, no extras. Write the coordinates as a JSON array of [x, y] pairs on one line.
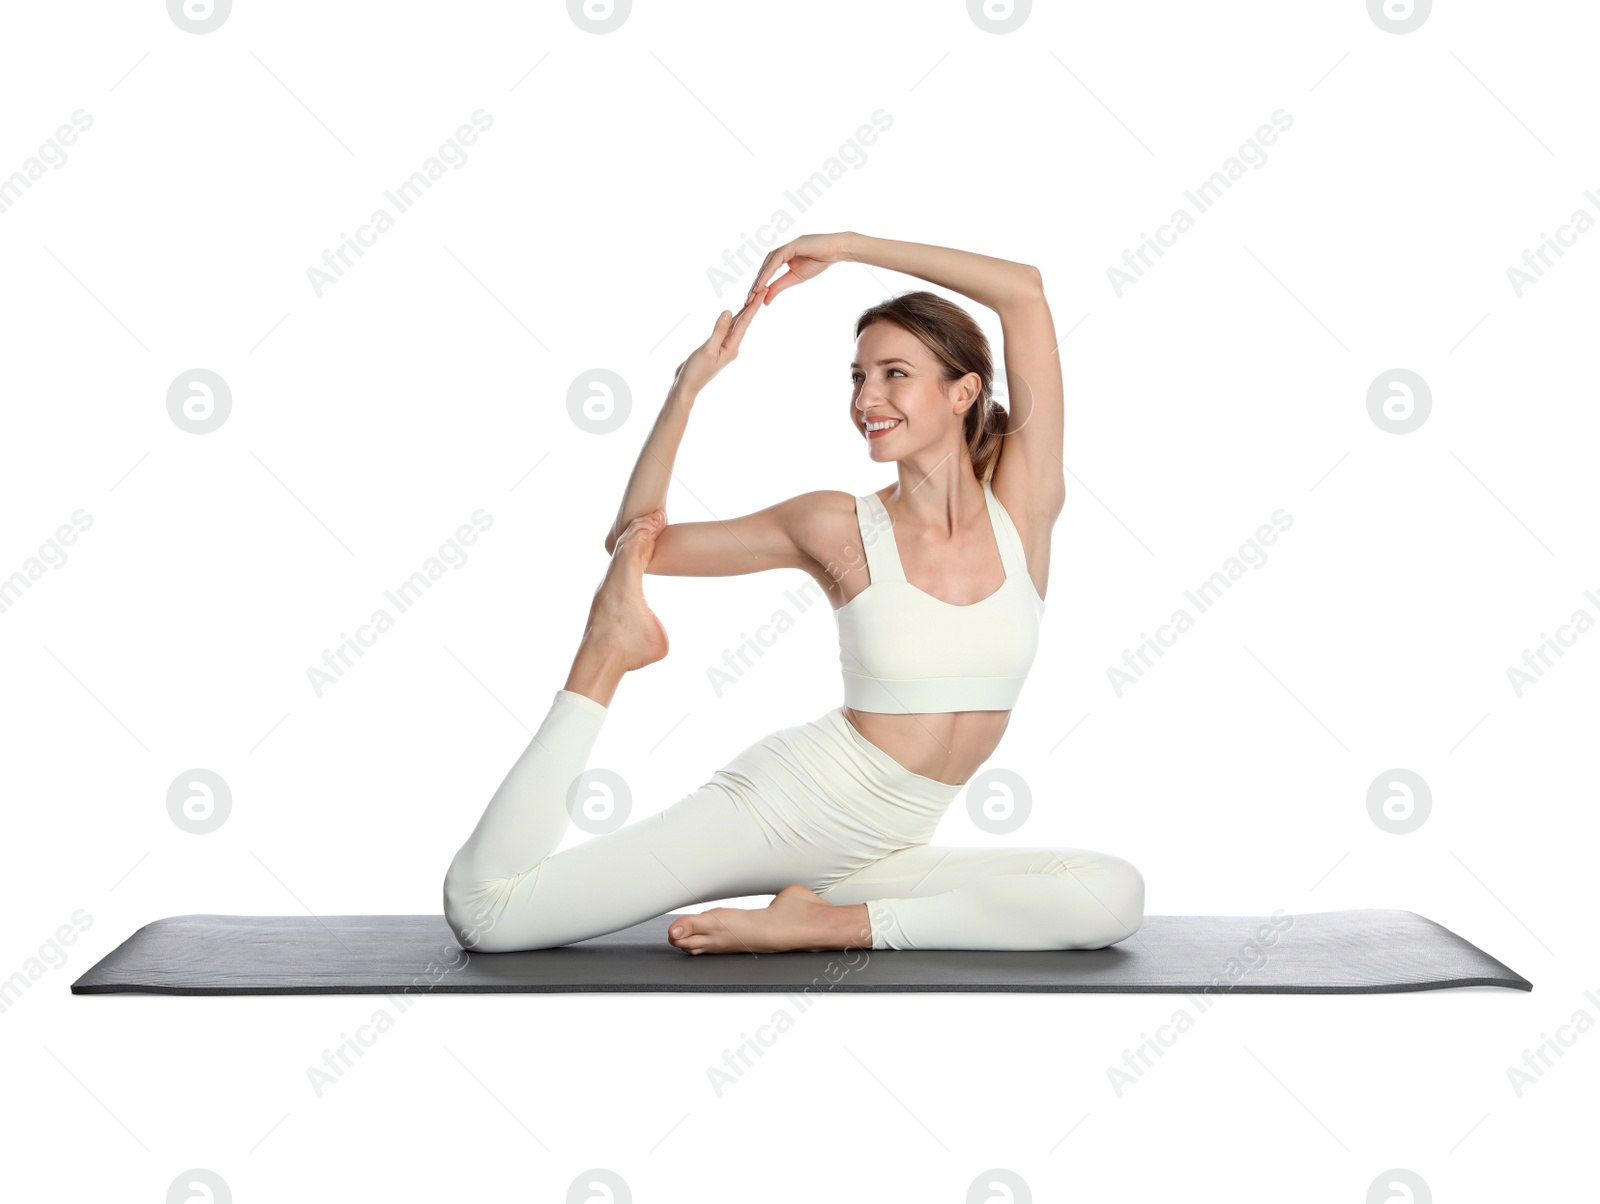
[[689, 935], [689, 928]]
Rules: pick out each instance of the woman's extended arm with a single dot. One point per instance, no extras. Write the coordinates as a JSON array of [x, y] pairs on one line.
[[997, 283], [647, 486]]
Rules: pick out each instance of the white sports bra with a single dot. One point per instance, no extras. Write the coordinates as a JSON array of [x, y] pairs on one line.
[[903, 651]]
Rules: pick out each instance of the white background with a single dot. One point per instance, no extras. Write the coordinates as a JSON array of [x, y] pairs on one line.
[[368, 423]]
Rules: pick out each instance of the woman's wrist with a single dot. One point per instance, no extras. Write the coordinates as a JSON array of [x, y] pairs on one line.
[[850, 244]]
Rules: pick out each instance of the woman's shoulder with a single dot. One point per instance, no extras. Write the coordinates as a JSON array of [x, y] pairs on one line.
[[826, 528], [822, 503]]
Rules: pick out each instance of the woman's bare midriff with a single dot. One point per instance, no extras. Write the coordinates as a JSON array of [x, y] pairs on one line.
[[947, 747]]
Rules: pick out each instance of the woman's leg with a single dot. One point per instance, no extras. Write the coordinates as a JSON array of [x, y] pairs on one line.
[[508, 889], [930, 897]]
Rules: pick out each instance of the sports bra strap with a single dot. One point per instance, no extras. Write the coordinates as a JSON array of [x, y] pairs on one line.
[[877, 539], [1006, 535]]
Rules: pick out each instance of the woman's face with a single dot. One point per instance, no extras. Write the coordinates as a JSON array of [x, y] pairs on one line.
[[897, 398]]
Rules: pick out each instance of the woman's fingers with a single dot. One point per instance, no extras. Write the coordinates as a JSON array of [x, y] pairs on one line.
[[782, 282], [804, 257], [775, 259], [741, 323], [719, 330], [761, 273]]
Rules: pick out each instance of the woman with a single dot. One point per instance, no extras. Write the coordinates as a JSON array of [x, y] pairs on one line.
[[937, 582]]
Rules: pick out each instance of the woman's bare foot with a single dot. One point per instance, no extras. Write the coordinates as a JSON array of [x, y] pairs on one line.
[[619, 617], [797, 918], [622, 633]]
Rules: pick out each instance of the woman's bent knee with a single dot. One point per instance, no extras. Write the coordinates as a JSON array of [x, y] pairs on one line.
[[498, 915], [1122, 889], [1112, 907], [470, 909]]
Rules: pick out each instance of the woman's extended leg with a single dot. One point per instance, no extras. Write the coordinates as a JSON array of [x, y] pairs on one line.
[[932, 897], [511, 893]]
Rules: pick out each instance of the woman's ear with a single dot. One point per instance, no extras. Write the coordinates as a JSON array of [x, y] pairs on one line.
[[967, 390]]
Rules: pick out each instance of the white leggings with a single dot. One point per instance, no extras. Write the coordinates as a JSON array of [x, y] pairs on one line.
[[817, 804]]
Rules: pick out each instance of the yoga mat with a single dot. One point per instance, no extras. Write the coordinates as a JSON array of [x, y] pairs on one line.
[[1322, 953]]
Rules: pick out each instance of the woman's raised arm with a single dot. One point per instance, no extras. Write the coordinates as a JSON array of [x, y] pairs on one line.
[[987, 280], [652, 473]]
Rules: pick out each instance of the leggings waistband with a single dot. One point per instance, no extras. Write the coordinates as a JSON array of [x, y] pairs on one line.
[[915, 785]]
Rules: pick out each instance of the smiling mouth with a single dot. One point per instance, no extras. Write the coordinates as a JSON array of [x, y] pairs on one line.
[[880, 426]]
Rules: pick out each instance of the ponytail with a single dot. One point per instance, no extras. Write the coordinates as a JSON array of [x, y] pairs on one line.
[[986, 424]]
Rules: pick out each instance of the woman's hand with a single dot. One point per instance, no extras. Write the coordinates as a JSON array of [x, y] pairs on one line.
[[720, 350], [806, 257]]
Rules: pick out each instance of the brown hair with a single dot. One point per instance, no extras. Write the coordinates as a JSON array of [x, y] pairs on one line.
[[960, 346]]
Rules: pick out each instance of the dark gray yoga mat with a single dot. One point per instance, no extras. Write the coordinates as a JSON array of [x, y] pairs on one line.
[[1323, 953]]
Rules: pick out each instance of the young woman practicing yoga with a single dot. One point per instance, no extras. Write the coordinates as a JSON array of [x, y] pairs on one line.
[[937, 583]]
